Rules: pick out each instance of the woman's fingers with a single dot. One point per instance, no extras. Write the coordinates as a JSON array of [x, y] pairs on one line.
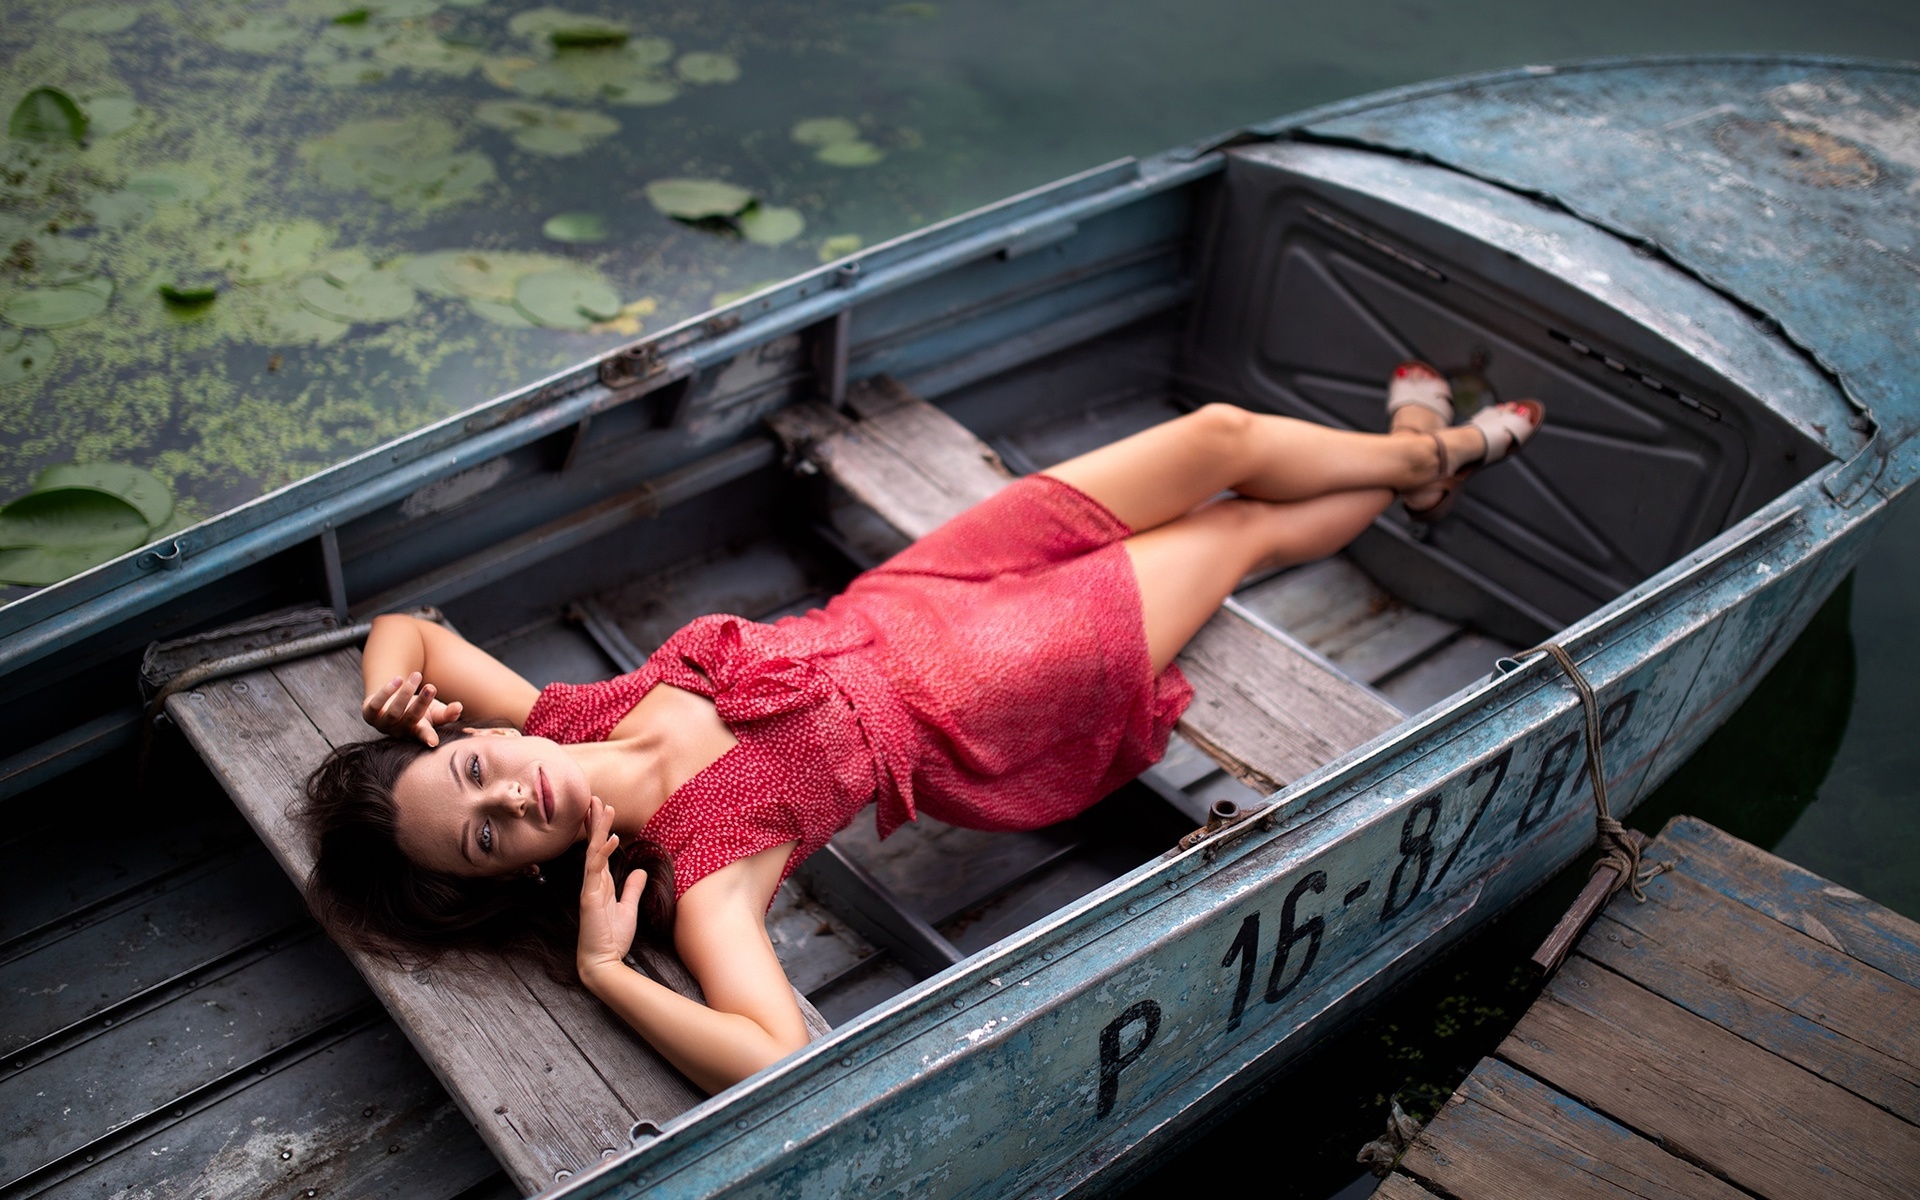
[[631, 890]]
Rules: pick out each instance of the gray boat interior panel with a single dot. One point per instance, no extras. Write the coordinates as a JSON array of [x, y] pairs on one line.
[[1312, 295]]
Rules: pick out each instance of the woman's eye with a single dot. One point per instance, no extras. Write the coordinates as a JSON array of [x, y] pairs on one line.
[[473, 770], [486, 837]]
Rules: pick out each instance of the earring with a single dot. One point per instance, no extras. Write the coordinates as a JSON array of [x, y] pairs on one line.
[[539, 876]]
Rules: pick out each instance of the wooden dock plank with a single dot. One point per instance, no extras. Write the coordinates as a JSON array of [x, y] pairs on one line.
[[1797, 898], [1401, 1187], [1765, 1124], [1774, 986], [1505, 1134]]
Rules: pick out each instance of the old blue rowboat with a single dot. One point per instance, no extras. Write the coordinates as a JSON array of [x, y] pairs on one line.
[[1708, 268]]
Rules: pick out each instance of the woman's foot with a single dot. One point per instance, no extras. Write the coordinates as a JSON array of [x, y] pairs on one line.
[[1420, 402], [1487, 437]]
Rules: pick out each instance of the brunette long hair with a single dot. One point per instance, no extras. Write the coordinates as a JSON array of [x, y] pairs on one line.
[[369, 894]]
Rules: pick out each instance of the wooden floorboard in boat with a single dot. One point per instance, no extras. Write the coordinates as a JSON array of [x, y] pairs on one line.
[[1720, 1040]]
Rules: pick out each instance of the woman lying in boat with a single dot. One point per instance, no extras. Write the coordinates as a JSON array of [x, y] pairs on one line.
[[1004, 672]]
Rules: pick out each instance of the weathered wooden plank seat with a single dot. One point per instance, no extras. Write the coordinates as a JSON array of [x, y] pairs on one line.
[[1265, 707], [549, 1077]]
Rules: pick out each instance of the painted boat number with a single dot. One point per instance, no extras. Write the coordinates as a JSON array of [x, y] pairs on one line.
[[1126, 1038]]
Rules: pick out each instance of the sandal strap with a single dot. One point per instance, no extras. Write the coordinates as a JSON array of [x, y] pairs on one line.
[[1507, 427], [1424, 388]]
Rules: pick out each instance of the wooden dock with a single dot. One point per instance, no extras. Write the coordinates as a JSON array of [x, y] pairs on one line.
[[1751, 1030]]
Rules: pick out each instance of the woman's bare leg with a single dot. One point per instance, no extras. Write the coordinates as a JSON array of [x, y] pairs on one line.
[[1187, 566], [1163, 473]]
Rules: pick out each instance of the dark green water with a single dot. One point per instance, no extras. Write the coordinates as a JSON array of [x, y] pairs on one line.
[[963, 103]]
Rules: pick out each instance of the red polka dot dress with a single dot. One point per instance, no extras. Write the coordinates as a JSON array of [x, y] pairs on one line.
[[994, 674]]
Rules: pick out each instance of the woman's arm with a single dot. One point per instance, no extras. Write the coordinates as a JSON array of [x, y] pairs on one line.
[[750, 1019], [409, 664]]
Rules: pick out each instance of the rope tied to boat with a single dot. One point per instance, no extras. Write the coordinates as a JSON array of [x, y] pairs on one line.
[[1617, 850]]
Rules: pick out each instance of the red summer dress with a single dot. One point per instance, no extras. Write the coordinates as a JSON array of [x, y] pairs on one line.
[[994, 675]]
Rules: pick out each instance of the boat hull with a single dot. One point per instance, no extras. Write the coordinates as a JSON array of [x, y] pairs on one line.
[[1058, 1060]]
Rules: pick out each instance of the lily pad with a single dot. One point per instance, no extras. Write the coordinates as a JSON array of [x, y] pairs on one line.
[[422, 51], [270, 251], [372, 297], [348, 73], [487, 275], [768, 225], [824, 131], [540, 24], [501, 312], [100, 18], [576, 227], [47, 536], [593, 37], [120, 210], [258, 33], [169, 185], [53, 258], [276, 315], [409, 162], [24, 354], [150, 497], [839, 246], [545, 129], [48, 115], [190, 294], [697, 199], [703, 67], [344, 266], [850, 154], [641, 92], [55, 307], [108, 115], [569, 298]]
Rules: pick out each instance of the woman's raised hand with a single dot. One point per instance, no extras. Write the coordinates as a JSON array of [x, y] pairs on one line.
[[407, 707], [607, 921]]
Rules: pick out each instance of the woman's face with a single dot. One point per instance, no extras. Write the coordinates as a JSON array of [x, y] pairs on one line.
[[492, 803]]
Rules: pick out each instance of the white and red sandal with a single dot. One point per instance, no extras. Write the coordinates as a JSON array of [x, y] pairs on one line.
[[1505, 428], [1414, 389]]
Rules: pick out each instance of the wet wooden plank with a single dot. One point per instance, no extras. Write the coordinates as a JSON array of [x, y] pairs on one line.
[[1266, 713], [126, 854], [1338, 610], [1764, 1124], [939, 870], [1825, 911], [199, 917], [359, 1117], [328, 688], [1504, 1134], [1774, 986], [903, 458], [753, 581], [126, 1070]]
